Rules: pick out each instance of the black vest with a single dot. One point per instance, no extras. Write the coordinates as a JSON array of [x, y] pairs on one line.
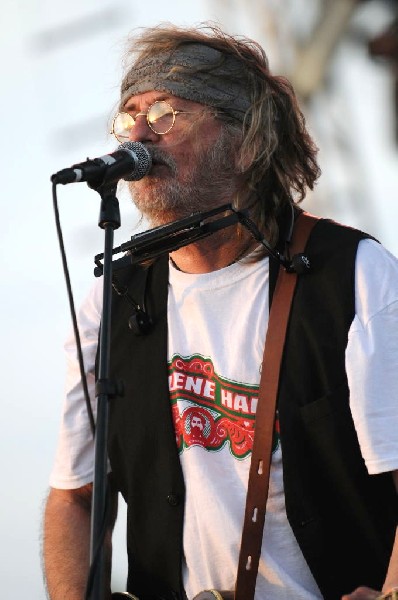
[[344, 519]]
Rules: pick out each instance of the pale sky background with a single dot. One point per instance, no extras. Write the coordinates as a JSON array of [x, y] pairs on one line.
[[60, 70]]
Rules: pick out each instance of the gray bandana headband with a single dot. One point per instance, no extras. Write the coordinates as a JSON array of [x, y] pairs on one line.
[[194, 72]]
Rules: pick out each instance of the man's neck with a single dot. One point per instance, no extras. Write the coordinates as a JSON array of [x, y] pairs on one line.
[[214, 252]]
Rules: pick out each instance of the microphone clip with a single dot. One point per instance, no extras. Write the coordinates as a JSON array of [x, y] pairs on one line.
[[300, 264]]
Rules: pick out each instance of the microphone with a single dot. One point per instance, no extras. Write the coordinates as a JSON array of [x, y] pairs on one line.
[[131, 162]]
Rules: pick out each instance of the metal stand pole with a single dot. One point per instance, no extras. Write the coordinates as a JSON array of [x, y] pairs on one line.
[[109, 220]]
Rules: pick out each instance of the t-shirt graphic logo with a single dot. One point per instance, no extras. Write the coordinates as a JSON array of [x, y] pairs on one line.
[[211, 411]]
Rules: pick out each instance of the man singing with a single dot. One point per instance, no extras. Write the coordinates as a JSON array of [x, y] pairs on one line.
[[222, 129]]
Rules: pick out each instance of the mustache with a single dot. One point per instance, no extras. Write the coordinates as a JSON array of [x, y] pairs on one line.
[[160, 157]]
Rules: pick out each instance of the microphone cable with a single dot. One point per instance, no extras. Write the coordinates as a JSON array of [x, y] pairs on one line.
[[72, 309]]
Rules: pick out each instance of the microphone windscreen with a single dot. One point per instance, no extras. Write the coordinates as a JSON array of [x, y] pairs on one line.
[[143, 160]]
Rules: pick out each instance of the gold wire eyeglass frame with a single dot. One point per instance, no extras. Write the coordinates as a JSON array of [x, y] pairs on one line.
[[146, 114]]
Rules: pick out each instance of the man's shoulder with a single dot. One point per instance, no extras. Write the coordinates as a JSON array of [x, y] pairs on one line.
[[331, 240], [334, 229]]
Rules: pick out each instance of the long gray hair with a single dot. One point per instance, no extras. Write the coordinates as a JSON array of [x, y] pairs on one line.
[[276, 156]]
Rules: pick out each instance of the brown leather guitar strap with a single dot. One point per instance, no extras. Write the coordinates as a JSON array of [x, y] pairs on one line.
[[257, 491]]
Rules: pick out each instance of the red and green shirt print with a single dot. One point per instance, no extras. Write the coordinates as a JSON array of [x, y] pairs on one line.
[[211, 411]]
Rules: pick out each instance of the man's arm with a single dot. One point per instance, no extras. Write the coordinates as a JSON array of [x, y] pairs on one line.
[[66, 542]]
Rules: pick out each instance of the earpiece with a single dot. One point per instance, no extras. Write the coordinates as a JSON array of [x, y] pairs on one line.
[[140, 322]]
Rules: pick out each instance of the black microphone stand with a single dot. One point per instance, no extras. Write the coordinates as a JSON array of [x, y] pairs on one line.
[[109, 220]]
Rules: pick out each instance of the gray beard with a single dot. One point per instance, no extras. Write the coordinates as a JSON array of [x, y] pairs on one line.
[[165, 201], [210, 183]]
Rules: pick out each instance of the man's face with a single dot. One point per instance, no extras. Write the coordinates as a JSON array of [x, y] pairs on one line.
[[197, 427], [193, 164], [196, 422]]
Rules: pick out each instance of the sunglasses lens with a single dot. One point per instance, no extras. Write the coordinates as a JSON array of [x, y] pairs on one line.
[[122, 126], [161, 117]]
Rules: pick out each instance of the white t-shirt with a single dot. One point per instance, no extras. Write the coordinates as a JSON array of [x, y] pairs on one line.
[[217, 327]]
